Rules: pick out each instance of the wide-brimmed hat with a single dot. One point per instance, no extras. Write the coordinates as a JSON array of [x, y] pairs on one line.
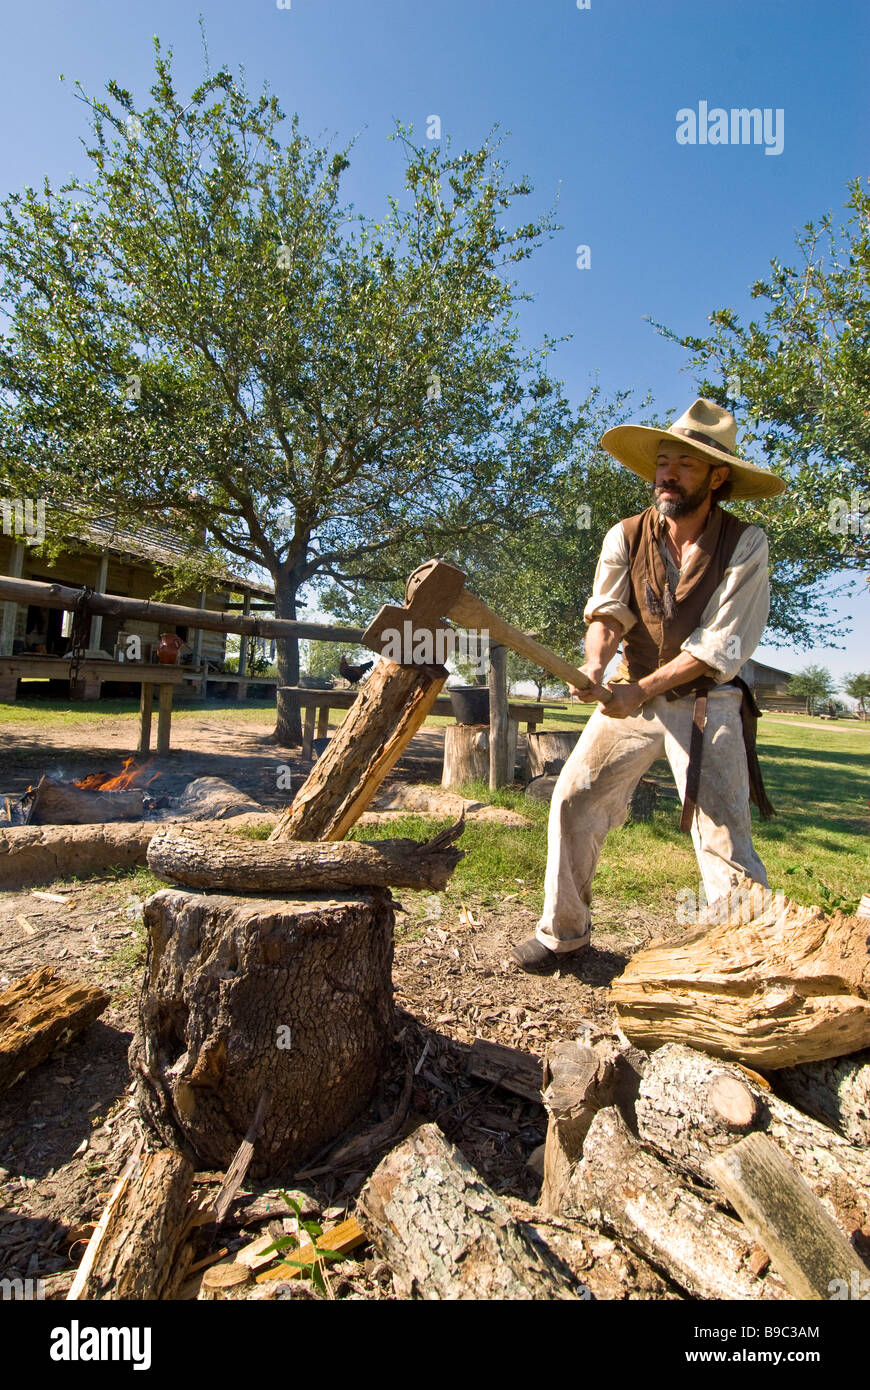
[[711, 431]]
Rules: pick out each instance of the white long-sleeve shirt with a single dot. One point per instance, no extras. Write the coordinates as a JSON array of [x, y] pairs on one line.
[[733, 621]]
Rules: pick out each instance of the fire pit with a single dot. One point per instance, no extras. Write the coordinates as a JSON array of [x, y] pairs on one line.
[[92, 800]]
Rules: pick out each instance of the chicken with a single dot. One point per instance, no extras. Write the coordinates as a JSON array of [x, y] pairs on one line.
[[353, 674]]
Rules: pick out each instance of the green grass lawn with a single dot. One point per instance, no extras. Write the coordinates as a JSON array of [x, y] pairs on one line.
[[60, 711], [815, 849]]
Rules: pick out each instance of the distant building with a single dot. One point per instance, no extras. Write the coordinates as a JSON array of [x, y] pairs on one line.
[[117, 561], [769, 685]]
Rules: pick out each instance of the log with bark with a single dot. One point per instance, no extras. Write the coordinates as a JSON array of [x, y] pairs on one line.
[[836, 1091], [243, 995], [467, 753], [446, 1235], [141, 1246], [578, 1082], [509, 1067], [226, 862], [773, 984], [39, 1013], [391, 707], [809, 1251], [57, 802], [691, 1107], [631, 1194], [549, 750], [40, 854]]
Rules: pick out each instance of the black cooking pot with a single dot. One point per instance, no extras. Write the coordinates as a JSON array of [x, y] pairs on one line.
[[470, 703]]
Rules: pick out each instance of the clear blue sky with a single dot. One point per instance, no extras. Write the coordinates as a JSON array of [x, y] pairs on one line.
[[590, 100]]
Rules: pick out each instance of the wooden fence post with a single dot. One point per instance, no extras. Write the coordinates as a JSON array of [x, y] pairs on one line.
[[500, 774]]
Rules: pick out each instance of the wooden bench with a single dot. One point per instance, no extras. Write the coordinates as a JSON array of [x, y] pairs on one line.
[[91, 675], [316, 704], [240, 682]]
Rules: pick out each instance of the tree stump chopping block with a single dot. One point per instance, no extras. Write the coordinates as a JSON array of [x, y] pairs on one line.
[[243, 996], [549, 750]]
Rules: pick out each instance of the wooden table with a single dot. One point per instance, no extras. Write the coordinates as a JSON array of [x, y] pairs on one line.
[[92, 672], [316, 704]]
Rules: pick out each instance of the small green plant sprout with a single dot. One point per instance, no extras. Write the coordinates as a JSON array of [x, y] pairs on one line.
[[830, 901], [315, 1266]]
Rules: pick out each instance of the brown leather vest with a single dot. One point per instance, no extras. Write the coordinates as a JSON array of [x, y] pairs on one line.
[[664, 618]]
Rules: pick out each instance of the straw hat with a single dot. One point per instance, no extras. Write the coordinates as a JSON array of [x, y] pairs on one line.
[[711, 432]]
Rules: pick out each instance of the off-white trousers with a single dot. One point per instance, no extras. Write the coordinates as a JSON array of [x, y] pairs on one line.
[[594, 791]]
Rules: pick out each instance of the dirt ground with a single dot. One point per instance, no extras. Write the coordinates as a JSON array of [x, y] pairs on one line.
[[67, 1127]]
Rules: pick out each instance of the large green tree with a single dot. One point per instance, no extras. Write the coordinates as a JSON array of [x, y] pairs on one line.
[[204, 330], [857, 685], [812, 684], [798, 378]]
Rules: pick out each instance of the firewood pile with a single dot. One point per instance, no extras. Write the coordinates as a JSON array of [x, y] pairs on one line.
[[733, 1166]]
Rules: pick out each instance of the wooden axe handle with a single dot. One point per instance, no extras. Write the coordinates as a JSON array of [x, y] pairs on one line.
[[469, 611]]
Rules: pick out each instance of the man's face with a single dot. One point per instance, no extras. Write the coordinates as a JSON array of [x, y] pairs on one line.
[[683, 480]]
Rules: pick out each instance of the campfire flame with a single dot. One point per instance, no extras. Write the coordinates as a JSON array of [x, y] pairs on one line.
[[131, 776]]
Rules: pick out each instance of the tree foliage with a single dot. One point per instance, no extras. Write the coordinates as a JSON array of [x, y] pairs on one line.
[[857, 685], [319, 392], [798, 377], [812, 684]]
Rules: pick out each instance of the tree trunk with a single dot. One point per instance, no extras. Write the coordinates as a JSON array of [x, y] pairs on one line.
[[837, 1092], [681, 1112], [138, 1250], [39, 1013], [446, 1235], [246, 995], [502, 750], [288, 722], [774, 986], [225, 862], [632, 1195]]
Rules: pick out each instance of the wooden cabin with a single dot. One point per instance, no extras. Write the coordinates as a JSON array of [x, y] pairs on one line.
[[117, 561]]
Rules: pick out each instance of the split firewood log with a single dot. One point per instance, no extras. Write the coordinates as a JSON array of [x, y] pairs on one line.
[[446, 1235], [140, 1247], [628, 1192], [771, 984], [691, 1107], [579, 1081], [39, 1013], [391, 707], [807, 1248], [836, 1091], [222, 861]]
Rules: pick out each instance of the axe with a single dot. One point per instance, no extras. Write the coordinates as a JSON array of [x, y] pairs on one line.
[[437, 591]]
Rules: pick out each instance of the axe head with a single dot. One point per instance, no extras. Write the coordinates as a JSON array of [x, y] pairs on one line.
[[434, 586], [429, 594]]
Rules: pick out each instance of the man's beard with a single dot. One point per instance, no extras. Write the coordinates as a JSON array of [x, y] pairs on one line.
[[683, 505]]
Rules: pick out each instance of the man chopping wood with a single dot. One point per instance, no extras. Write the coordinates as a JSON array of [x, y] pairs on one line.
[[684, 588]]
